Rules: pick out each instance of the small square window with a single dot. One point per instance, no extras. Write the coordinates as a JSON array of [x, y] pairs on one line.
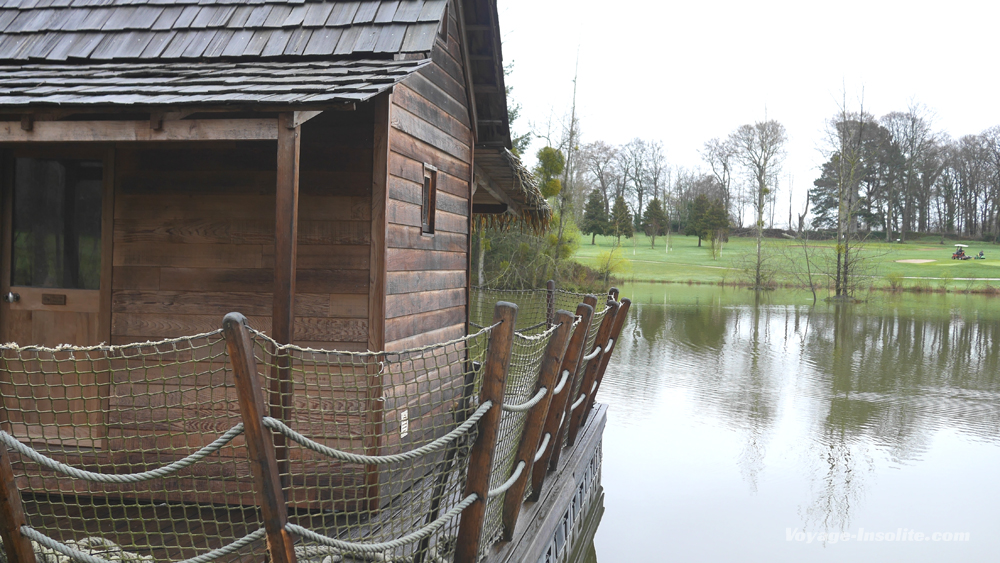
[[428, 200]]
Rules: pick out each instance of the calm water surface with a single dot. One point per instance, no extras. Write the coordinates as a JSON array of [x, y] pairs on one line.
[[735, 425]]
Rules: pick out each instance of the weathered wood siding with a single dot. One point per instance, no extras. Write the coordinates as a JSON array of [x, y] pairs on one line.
[[194, 239], [426, 275], [194, 235]]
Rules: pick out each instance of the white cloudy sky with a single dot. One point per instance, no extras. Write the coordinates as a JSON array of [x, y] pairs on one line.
[[685, 72]]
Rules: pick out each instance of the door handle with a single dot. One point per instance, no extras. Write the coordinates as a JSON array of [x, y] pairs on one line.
[[12, 297]]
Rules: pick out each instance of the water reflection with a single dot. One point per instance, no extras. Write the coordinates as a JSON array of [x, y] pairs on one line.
[[815, 408]]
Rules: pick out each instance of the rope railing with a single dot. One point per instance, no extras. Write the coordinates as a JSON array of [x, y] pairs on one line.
[[158, 473], [542, 447], [360, 547], [592, 355], [506, 485], [529, 404], [562, 382], [438, 444]]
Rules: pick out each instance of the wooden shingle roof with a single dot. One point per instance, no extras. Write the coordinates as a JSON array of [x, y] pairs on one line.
[[298, 83], [118, 30]]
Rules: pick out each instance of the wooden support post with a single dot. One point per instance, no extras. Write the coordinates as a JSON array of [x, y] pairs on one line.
[[16, 546], [550, 302], [286, 227], [616, 330], [590, 375], [263, 460], [470, 528], [557, 409], [613, 294], [531, 438], [377, 290]]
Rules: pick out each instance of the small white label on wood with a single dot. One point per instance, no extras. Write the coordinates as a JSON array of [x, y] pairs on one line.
[[404, 423]]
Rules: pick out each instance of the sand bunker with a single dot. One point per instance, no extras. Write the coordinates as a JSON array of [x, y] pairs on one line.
[[915, 261]]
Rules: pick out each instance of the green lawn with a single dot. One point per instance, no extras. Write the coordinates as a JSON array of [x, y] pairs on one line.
[[686, 262]]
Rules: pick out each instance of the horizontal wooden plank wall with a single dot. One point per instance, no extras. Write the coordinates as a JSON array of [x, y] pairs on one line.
[[430, 124], [194, 240], [426, 291], [194, 235]]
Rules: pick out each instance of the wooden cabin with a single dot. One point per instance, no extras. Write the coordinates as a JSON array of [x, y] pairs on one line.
[[315, 165]]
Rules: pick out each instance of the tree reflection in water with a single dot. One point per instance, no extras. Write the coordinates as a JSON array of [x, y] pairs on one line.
[[866, 386]]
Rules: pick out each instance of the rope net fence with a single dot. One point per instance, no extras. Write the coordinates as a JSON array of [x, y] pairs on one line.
[[533, 308], [520, 387], [384, 405], [136, 452], [130, 452]]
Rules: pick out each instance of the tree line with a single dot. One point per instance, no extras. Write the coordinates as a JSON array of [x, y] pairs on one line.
[[909, 178]]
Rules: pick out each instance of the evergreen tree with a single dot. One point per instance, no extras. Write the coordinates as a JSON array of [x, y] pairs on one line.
[[716, 224], [708, 220], [698, 209], [595, 217], [654, 221], [621, 220]]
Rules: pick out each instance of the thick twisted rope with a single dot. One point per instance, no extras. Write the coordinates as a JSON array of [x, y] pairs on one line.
[[539, 395], [462, 429], [508, 483], [592, 355], [157, 473], [543, 447], [401, 353], [416, 536], [579, 401], [78, 555], [533, 327], [562, 382], [611, 342], [536, 337], [111, 349]]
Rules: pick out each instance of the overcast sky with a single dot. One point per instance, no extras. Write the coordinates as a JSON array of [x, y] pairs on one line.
[[685, 72]]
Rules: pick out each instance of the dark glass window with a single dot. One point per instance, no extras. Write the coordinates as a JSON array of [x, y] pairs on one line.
[[429, 201], [57, 223]]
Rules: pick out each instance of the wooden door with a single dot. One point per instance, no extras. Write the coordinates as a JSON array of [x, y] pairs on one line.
[[52, 249], [53, 266]]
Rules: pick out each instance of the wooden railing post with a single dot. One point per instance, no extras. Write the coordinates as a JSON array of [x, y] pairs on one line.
[[576, 414], [260, 444], [557, 409], [470, 528], [16, 545], [616, 331], [548, 376], [550, 302], [577, 373]]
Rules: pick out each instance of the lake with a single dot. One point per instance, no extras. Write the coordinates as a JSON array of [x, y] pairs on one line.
[[786, 431]]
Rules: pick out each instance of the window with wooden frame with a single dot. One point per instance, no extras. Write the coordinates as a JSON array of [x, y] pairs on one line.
[[443, 30], [428, 200]]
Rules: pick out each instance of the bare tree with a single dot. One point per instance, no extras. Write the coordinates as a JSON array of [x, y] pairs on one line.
[[721, 158], [760, 149], [600, 160]]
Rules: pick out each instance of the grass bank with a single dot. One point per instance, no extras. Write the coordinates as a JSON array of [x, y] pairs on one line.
[[922, 265]]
